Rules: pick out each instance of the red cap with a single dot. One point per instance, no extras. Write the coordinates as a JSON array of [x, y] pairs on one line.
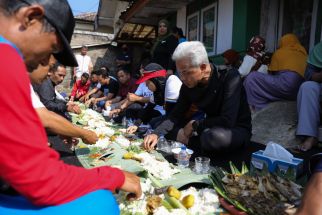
[[151, 74]]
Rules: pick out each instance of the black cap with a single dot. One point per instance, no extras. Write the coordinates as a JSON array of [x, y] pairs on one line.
[[59, 14]]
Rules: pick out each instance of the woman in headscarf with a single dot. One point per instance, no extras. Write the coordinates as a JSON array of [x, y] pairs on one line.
[[253, 58], [286, 75], [164, 47], [308, 100]]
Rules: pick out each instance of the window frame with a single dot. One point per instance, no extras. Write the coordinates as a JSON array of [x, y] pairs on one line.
[[196, 14], [215, 8]]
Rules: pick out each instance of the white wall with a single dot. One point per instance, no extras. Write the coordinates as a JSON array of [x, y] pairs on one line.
[[225, 25], [181, 19]]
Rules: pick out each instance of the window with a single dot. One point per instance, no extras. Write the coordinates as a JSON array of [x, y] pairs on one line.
[[193, 27], [208, 32], [297, 19]]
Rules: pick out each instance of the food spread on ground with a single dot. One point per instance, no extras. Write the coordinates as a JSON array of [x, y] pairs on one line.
[[252, 194]]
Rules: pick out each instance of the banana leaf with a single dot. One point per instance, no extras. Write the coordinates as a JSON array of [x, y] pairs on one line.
[[186, 176], [216, 177]]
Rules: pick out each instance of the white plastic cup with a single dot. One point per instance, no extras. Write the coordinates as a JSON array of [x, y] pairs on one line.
[[202, 165]]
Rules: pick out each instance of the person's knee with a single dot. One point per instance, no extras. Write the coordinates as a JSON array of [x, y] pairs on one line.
[[105, 202], [215, 139], [310, 87]]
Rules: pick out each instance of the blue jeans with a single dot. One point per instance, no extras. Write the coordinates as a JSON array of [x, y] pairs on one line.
[[99, 202]]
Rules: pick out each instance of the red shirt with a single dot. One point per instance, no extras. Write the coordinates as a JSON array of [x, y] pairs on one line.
[[26, 161], [80, 89], [129, 87]]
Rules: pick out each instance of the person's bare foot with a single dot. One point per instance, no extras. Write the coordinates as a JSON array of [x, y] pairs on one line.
[[308, 143]]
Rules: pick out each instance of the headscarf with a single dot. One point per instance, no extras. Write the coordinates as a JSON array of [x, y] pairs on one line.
[[161, 37], [315, 57], [291, 42], [232, 56], [159, 80], [256, 47], [290, 55]]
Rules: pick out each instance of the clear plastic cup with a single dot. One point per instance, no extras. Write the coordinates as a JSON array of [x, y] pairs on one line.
[[202, 165]]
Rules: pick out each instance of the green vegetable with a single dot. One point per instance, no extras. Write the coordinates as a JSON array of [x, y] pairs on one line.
[[135, 149], [233, 168], [167, 205]]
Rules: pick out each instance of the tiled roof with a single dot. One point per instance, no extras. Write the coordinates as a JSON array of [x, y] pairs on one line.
[[86, 16]]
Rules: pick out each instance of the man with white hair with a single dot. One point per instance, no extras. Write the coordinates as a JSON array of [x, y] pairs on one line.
[[227, 122]]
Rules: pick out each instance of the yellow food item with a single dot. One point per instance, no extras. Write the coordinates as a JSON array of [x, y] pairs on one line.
[[101, 136], [174, 192], [128, 155], [188, 201]]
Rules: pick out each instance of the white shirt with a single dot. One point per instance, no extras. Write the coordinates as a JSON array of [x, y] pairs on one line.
[[247, 65], [84, 62], [172, 89], [144, 91], [59, 96], [36, 103]]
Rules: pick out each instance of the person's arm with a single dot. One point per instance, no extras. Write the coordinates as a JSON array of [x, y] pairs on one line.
[[182, 106], [74, 91], [92, 92], [135, 98], [59, 125], [311, 201], [26, 162], [317, 77], [90, 66], [246, 66], [47, 96], [231, 103], [115, 100]]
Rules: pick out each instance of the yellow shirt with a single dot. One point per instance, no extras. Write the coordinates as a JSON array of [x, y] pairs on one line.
[[290, 56]]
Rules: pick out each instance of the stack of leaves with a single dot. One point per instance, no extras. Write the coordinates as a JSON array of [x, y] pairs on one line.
[[254, 194]]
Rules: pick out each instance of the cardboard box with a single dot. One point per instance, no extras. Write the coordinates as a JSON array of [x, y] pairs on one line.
[[290, 170]]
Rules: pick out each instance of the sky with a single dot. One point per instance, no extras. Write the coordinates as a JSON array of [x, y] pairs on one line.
[[83, 6]]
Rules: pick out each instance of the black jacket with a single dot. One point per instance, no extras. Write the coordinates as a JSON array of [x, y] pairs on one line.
[[163, 52], [47, 95], [223, 101]]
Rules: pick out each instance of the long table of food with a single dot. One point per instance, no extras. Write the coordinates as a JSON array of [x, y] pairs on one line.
[[170, 189]]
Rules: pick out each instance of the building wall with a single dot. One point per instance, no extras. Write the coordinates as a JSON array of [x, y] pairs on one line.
[[246, 22], [182, 18], [225, 25], [99, 50]]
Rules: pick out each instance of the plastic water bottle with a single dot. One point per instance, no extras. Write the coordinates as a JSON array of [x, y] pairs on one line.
[[162, 144], [124, 122], [183, 157]]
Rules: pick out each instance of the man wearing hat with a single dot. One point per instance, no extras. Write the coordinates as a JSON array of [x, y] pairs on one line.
[[31, 30]]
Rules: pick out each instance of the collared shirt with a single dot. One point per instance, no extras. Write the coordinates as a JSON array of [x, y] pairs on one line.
[[129, 87], [80, 89]]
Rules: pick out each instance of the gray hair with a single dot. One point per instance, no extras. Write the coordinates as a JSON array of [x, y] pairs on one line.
[[195, 51]]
